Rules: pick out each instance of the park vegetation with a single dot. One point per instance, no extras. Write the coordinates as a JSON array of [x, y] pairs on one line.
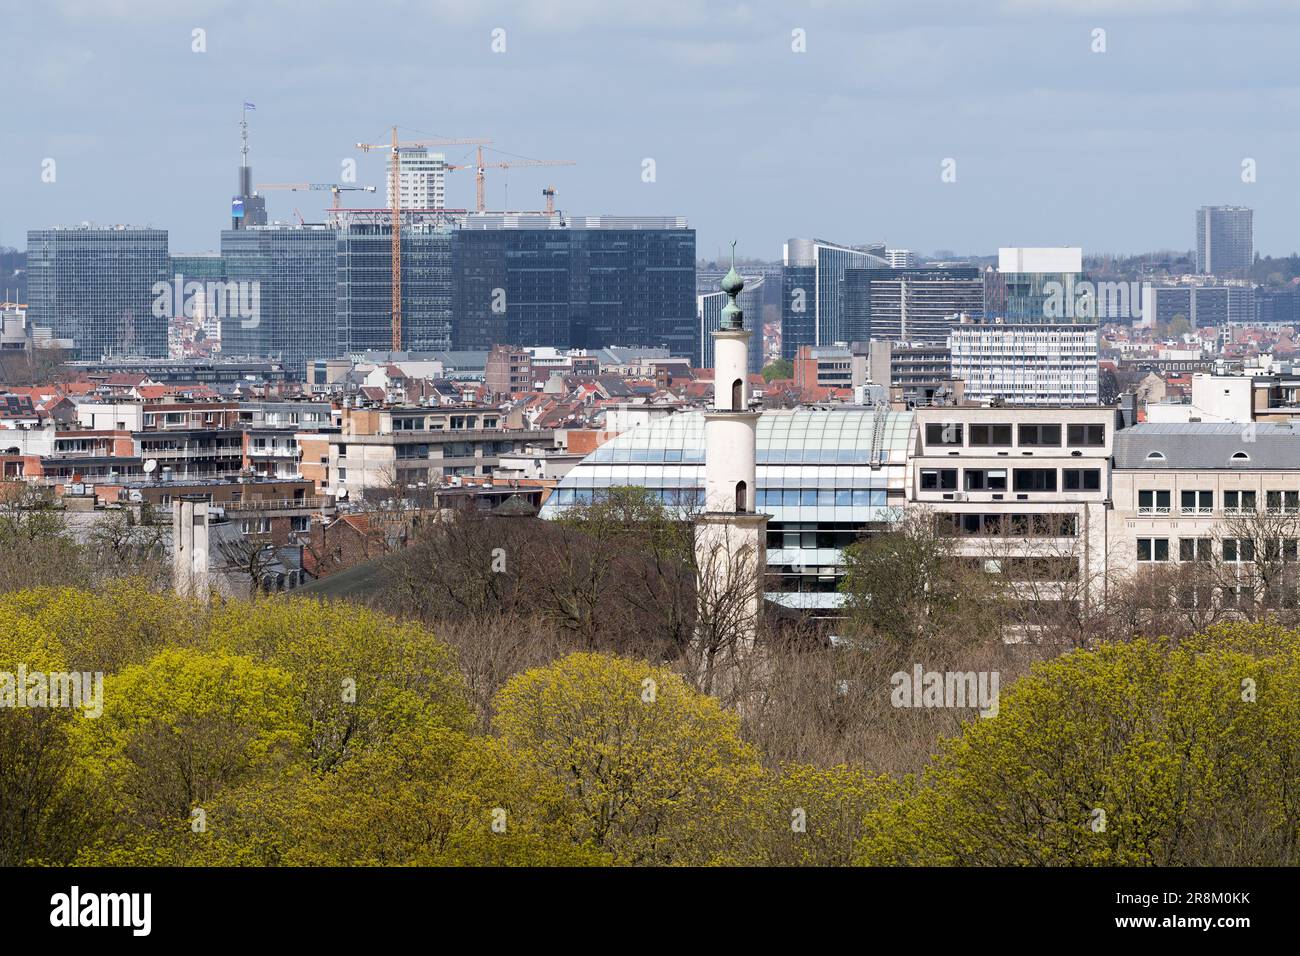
[[514, 692]]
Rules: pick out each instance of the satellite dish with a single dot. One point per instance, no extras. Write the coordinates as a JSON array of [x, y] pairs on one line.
[[150, 466], [343, 493]]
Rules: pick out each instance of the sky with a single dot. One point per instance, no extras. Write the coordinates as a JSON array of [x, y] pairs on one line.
[[763, 120]]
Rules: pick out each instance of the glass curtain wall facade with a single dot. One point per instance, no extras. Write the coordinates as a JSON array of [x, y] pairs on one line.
[[579, 283], [364, 270], [909, 305], [294, 269], [96, 287], [819, 292]]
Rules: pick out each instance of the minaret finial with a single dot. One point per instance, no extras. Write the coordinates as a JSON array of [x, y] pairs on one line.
[[733, 284]]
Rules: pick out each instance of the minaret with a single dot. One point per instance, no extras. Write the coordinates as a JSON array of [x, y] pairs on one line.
[[730, 535]]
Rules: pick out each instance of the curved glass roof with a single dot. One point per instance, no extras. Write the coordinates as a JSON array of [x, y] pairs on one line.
[[813, 465]]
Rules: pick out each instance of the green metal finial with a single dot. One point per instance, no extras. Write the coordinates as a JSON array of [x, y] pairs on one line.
[[733, 284]]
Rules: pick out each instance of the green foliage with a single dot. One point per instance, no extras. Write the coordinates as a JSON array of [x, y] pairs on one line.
[[1145, 753], [1133, 754], [658, 772], [782, 369]]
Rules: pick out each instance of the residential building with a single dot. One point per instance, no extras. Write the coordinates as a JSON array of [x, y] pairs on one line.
[[915, 375], [423, 179]]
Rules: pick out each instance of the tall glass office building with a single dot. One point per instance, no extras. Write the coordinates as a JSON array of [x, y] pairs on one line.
[[825, 477], [582, 282], [812, 308], [293, 267], [365, 287], [1225, 240], [96, 286], [909, 305]]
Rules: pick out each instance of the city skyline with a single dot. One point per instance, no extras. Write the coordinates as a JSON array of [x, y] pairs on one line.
[[847, 139]]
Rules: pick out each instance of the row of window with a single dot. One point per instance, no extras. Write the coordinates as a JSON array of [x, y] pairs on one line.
[[1233, 550], [1022, 480], [1157, 501], [1028, 436], [1043, 525], [766, 498], [843, 455]]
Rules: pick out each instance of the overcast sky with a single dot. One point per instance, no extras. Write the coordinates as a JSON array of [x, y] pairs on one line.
[[1053, 143]]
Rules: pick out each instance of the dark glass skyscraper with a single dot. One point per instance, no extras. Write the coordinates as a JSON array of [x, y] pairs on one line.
[[575, 282], [812, 306], [97, 286], [365, 287], [1225, 243], [294, 271], [909, 305]]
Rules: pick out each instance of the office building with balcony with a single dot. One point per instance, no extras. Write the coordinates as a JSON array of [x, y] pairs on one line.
[[378, 449], [1197, 492], [1025, 489]]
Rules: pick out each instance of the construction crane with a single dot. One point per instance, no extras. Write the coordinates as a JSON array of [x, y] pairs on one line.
[[480, 180], [334, 188], [548, 193], [395, 198]]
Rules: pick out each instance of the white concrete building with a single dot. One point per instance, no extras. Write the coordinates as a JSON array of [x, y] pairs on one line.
[[1026, 365], [423, 178]]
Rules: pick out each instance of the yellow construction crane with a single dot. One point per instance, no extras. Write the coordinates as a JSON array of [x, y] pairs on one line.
[[480, 180], [395, 197], [334, 188], [548, 193]]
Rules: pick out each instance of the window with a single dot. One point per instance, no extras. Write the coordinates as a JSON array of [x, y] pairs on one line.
[[1040, 435], [986, 479], [1153, 502], [1081, 479], [1035, 479], [939, 479], [1239, 501], [1238, 550], [990, 435], [943, 433], [1196, 502], [1287, 502], [1086, 436], [1238, 458], [1153, 549], [1194, 549]]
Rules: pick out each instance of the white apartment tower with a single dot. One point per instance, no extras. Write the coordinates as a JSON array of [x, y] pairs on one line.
[[730, 535], [423, 179]]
